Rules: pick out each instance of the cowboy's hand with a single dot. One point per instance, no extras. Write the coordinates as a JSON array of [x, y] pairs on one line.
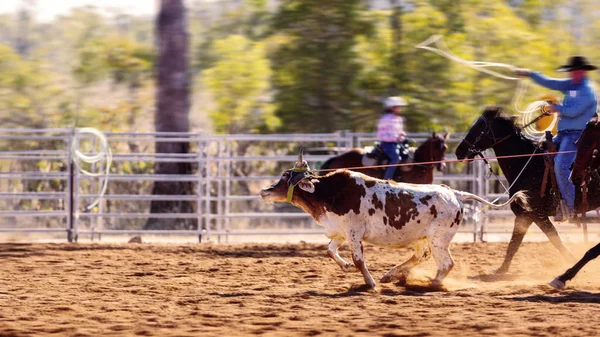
[[552, 108], [522, 72]]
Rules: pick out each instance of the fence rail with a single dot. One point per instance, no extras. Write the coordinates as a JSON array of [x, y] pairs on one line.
[[41, 190]]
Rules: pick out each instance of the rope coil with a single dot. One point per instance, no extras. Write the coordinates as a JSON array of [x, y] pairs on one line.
[[104, 154]]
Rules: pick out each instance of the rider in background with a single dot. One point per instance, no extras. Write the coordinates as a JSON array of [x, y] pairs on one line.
[[579, 105], [390, 131]]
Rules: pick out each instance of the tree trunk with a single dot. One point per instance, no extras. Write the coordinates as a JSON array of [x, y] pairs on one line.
[[396, 54], [172, 110]]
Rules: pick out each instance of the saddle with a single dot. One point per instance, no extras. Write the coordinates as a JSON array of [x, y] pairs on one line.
[[374, 155]]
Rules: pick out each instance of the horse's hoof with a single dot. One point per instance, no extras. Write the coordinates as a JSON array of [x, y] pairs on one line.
[[557, 284], [500, 271]]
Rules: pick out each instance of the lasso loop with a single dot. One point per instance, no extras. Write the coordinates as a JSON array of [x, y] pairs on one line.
[[437, 45], [104, 154]]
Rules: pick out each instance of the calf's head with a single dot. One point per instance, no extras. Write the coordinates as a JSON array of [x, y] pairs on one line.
[[282, 191]]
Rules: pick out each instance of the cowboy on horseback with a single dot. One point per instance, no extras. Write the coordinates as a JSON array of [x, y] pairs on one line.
[[579, 105], [390, 132]]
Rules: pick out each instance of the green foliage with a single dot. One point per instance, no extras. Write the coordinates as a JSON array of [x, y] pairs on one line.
[[27, 91], [297, 66], [239, 82], [317, 69]]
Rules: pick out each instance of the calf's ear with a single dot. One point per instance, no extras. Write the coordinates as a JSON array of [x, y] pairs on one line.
[[307, 185]]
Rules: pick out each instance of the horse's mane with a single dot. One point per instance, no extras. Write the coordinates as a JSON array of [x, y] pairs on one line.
[[497, 113], [594, 123]]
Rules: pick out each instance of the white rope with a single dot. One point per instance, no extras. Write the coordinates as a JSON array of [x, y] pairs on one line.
[[507, 190], [104, 154], [443, 50], [532, 111]]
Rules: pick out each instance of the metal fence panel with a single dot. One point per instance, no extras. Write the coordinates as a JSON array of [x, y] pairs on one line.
[[228, 171]]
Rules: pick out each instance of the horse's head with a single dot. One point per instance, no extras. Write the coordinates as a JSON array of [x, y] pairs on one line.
[[490, 129], [586, 160], [434, 150]]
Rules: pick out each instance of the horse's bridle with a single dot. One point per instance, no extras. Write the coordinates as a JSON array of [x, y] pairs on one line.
[[473, 146], [431, 159]]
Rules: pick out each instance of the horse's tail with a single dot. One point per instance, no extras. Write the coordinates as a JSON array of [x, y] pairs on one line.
[[520, 197]]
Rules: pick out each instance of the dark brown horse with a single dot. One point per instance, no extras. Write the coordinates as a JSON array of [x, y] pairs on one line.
[[432, 150], [584, 175], [494, 131]]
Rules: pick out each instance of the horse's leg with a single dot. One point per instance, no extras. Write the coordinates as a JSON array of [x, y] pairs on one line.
[[522, 223], [548, 228], [559, 282]]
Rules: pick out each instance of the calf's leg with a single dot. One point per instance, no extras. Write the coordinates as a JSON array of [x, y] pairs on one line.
[[359, 262], [332, 251], [440, 244], [401, 271]]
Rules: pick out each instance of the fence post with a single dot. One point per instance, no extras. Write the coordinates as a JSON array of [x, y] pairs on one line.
[[75, 194], [227, 201], [70, 167], [475, 184], [199, 199], [207, 184]]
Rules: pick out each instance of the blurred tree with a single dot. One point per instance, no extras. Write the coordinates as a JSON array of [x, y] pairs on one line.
[[28, 92], [172, 108], [391, 65], [316, 69], [240, 86], [24, 27], [214, 21], [493, 33]]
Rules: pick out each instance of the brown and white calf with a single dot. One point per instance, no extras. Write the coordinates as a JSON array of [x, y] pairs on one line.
[[354, 207]]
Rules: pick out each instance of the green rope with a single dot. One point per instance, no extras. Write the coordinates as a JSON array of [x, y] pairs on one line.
[[291, 187]]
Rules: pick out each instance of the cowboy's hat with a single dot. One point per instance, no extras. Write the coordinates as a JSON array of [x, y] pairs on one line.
[[577, 63]]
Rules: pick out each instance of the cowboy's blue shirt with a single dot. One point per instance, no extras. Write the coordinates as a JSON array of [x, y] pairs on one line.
[[579, 103]]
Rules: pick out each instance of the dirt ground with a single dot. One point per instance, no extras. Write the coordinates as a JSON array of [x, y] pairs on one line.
[[284, 290]]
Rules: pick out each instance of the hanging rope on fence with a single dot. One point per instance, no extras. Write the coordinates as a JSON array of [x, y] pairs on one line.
[[104, 154], [532, 112]]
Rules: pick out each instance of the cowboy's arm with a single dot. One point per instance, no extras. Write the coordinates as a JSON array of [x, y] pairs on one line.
[[550, 83], [577, 105]]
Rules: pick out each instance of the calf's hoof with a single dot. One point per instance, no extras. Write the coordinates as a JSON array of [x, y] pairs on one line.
[[557, 284], [349, 268], [436, 284], [388, 278]]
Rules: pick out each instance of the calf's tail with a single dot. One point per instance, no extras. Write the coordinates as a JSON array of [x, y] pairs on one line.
[[520, 197]]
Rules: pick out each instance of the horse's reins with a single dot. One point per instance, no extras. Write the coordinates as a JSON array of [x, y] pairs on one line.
[[473, 149]]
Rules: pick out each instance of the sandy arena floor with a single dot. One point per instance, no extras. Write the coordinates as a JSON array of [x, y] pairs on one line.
[[283, 290]]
